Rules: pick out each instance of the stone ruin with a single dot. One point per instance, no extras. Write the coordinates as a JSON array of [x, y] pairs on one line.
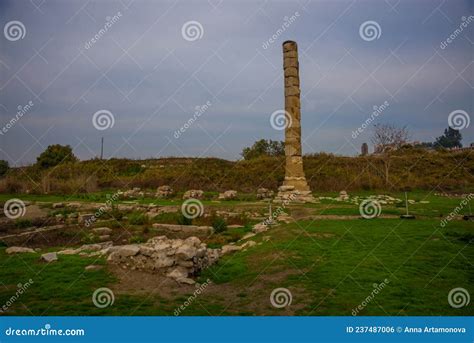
[[176, 258], [294, 186]]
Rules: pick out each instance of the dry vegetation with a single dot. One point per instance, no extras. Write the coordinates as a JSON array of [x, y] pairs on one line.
[[406, 168]]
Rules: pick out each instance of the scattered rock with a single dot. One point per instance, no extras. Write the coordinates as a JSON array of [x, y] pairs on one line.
[[258, 228], [49, 257], [228, 195], [93, 267], [186, 281], [102, 231], [164, 192], [193, 194], [58, 205], [104, 238], [247, 236], [264, 193], [226, 249], [248, 244], [343, 196], [18, 250], [190, 229]]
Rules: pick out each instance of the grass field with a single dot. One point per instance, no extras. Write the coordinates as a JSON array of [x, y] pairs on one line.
[[329, 266]]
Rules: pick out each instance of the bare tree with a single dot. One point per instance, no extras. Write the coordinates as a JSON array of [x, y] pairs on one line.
[[388, 137]]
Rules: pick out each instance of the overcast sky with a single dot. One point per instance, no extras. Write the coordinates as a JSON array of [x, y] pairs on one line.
[[151, 74]]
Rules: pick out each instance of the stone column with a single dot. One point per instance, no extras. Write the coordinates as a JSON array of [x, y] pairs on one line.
[[295, 184]]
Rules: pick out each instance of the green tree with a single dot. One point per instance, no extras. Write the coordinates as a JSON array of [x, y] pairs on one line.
[[450, 139], [264, 147], [4, 166], [54, 155]]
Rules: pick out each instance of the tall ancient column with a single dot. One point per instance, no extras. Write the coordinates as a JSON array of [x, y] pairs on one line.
[[295, 186]]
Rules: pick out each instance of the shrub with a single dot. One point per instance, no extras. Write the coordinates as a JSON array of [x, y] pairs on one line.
[[136, 239], [138, 219], [182, 220], [3, 167], [219, 224], [23, 223]]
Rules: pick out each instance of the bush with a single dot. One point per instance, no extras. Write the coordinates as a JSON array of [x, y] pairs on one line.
[[23, 223], [3, 167], [138, 219], [54, 155], [182, 220], [219, 224]]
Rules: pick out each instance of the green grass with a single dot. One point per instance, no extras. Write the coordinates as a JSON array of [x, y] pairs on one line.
[[330, 267]]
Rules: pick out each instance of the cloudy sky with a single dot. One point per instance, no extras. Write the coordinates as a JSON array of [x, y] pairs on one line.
[[148, 65]]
